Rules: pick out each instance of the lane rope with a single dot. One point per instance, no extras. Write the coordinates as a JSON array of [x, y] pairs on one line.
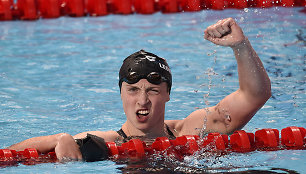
[[240, 141], [36, 9]]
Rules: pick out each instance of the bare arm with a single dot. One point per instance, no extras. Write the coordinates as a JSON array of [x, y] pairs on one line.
[[236, 109], [43, 144], [63, 144]]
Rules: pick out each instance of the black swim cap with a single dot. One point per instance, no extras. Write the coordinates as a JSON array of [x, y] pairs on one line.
[[145, 65]]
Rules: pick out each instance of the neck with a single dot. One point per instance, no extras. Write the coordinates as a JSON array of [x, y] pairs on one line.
[[157, 131]]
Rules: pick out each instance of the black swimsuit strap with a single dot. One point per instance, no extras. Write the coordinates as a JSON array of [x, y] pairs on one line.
[[169, 131], [121, 132]]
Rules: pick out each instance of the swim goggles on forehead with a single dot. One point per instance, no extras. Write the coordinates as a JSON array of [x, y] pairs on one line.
[[153, 77]]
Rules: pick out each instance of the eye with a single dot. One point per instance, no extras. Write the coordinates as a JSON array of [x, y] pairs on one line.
[[153, 91], [133, 90]]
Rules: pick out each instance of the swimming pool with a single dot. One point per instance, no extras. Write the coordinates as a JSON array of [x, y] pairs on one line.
[[61, 75]]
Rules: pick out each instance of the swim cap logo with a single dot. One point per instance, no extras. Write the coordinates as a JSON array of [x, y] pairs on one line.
[[164, 67], [150, 58], [153, 59]]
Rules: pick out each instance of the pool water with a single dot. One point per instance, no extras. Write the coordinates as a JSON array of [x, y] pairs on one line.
[[61, 75]]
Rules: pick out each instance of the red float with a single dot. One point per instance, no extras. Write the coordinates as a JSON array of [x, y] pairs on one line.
[[8, 157], [285, 3], [74, 8], [7, 154], [135, 149], [27, 9], [241, 141], [191, 5], [263, 3], [96, 7], [122, 6], [113, 150], [144, 7], [239, 4], [186, 145], [300, 3], [5, 10], [161, 144], [215, 141], [293, 137], [169, 6], [214, 4], [49, 8], [267, 139], [30, 153]]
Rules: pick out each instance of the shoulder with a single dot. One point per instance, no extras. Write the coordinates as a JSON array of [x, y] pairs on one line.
[[108, 136], [192, 124]]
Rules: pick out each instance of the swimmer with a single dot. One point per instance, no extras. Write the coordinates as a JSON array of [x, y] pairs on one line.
[[145, 83]]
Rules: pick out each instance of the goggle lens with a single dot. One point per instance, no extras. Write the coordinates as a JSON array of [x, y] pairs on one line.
[[131, 78], [154, 78]]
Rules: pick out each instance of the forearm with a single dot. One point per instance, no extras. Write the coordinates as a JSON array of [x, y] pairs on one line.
[[253, 78], [43, 144]]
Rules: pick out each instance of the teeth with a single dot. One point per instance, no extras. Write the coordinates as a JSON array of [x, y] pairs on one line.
[[143, 112]]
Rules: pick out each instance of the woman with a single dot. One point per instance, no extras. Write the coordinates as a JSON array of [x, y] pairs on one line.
[[145, 83]]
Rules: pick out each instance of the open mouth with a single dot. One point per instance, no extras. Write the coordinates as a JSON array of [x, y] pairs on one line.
[[141, 113]]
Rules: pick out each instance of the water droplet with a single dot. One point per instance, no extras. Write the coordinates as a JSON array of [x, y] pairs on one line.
[[228, 117], [246, 10], [241, 19]]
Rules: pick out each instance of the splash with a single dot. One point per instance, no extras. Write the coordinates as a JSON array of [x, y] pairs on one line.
[[203, 132], [210, 74]]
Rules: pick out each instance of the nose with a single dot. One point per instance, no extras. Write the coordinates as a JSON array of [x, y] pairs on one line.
[[143, 98]]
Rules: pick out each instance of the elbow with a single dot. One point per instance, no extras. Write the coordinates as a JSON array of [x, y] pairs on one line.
[[58, 138], [267, 92], [259, 97], [264, 93], [263, 97], [61, 136]]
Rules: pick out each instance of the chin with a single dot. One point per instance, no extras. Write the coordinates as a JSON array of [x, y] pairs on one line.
[[143, 126]]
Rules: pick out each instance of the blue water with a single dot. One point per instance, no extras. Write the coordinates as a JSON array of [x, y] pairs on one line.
[[61, 75]]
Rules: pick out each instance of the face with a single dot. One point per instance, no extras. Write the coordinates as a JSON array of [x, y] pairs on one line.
[[144, 104]]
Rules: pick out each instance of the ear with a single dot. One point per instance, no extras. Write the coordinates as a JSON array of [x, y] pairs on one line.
[[168, 97]]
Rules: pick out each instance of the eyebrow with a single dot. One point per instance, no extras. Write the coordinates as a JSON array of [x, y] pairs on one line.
[[150, 87]]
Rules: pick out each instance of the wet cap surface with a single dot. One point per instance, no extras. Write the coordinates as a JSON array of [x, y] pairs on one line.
[[144, 63]]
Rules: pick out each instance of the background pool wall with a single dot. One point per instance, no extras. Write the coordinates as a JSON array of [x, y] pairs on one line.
[[35, 9]]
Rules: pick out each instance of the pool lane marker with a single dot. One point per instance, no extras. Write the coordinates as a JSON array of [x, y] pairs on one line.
[[292, 138], [36, 9]]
